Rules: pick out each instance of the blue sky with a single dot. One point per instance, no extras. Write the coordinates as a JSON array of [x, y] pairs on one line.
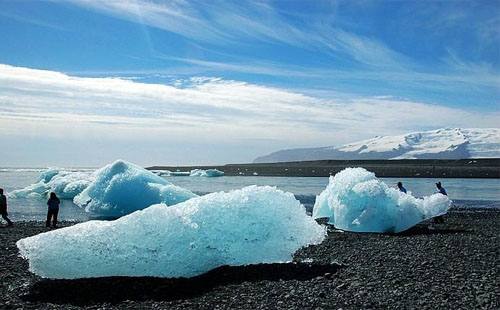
[[211, 82]]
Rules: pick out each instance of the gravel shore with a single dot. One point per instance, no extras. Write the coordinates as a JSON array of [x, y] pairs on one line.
[[454, 266]]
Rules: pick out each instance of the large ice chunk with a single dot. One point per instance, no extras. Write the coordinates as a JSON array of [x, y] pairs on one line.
[[355, 200], [247, 226], [121, 188], [66, 184]]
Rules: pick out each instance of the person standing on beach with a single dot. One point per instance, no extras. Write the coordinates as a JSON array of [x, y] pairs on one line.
[[441, 190], [401, 188], [3, 208], [53, 210]]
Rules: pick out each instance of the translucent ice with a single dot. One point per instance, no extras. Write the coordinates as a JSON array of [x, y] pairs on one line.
[[246, 226], [69, 184], [36, 190], [206, 173], [121, 188], [66, 184], [47, 175], [355, 200]]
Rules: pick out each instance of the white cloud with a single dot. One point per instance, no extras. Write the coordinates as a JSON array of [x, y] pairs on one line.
[[206, 108]]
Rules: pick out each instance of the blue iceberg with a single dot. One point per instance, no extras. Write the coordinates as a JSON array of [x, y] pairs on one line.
[[48, 174], [247, 226], [66, 184], [355, 200], [122, 188]]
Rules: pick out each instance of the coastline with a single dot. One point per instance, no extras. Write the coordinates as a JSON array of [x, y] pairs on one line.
[[405, 168], [454, 266]]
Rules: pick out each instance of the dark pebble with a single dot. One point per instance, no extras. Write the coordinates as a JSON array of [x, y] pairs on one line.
[[454, 266]]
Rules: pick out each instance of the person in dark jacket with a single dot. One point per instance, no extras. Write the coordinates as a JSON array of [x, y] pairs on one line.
[[3, 208], [53, 210], [401, 188], [441, 190]]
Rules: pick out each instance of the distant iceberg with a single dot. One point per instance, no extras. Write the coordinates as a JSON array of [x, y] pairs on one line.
[[122, 188], [36, 190], [162, 173], [66, 184], [355, 200], [48, 174], [206, 173], [192, 173], [179, 173], [247, 226], [114, 190]]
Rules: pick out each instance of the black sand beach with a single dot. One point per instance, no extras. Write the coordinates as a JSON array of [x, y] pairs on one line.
[[405, 168], [455, 266]]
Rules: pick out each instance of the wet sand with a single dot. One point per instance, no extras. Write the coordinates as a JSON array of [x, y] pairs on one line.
[[455, 266]]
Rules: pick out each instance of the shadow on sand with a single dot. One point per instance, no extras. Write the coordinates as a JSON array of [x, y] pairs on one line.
[[419, 229], [83, 292]]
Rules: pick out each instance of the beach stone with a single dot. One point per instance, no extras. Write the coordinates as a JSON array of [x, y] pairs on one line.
[[448, 280]]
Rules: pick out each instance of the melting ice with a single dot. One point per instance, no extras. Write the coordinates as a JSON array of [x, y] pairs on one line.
[[114, 190], [355, 200], [121, 188], [246, 226], [66, 184]]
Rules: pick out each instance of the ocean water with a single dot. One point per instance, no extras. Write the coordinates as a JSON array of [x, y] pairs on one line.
[[469, 193]]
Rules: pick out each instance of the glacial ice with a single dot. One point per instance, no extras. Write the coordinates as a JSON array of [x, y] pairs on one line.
[[66, 184], [121, 188], [162, 173], [114, 190], [355, 200], [47, 175], [246, 226], [206, 173], [36, 190], [192, 173]]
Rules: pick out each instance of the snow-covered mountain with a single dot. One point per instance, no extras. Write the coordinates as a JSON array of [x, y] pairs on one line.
[[446, 143]]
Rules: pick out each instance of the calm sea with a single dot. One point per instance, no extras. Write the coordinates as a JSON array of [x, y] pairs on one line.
[[475, 193]]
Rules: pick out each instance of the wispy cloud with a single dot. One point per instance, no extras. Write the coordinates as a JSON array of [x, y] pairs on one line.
[[461, 76], [31, 20], [345, 53], [470, 68], [243, 22]]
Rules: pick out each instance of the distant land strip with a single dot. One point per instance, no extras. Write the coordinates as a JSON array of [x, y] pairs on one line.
[[407, 168]]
